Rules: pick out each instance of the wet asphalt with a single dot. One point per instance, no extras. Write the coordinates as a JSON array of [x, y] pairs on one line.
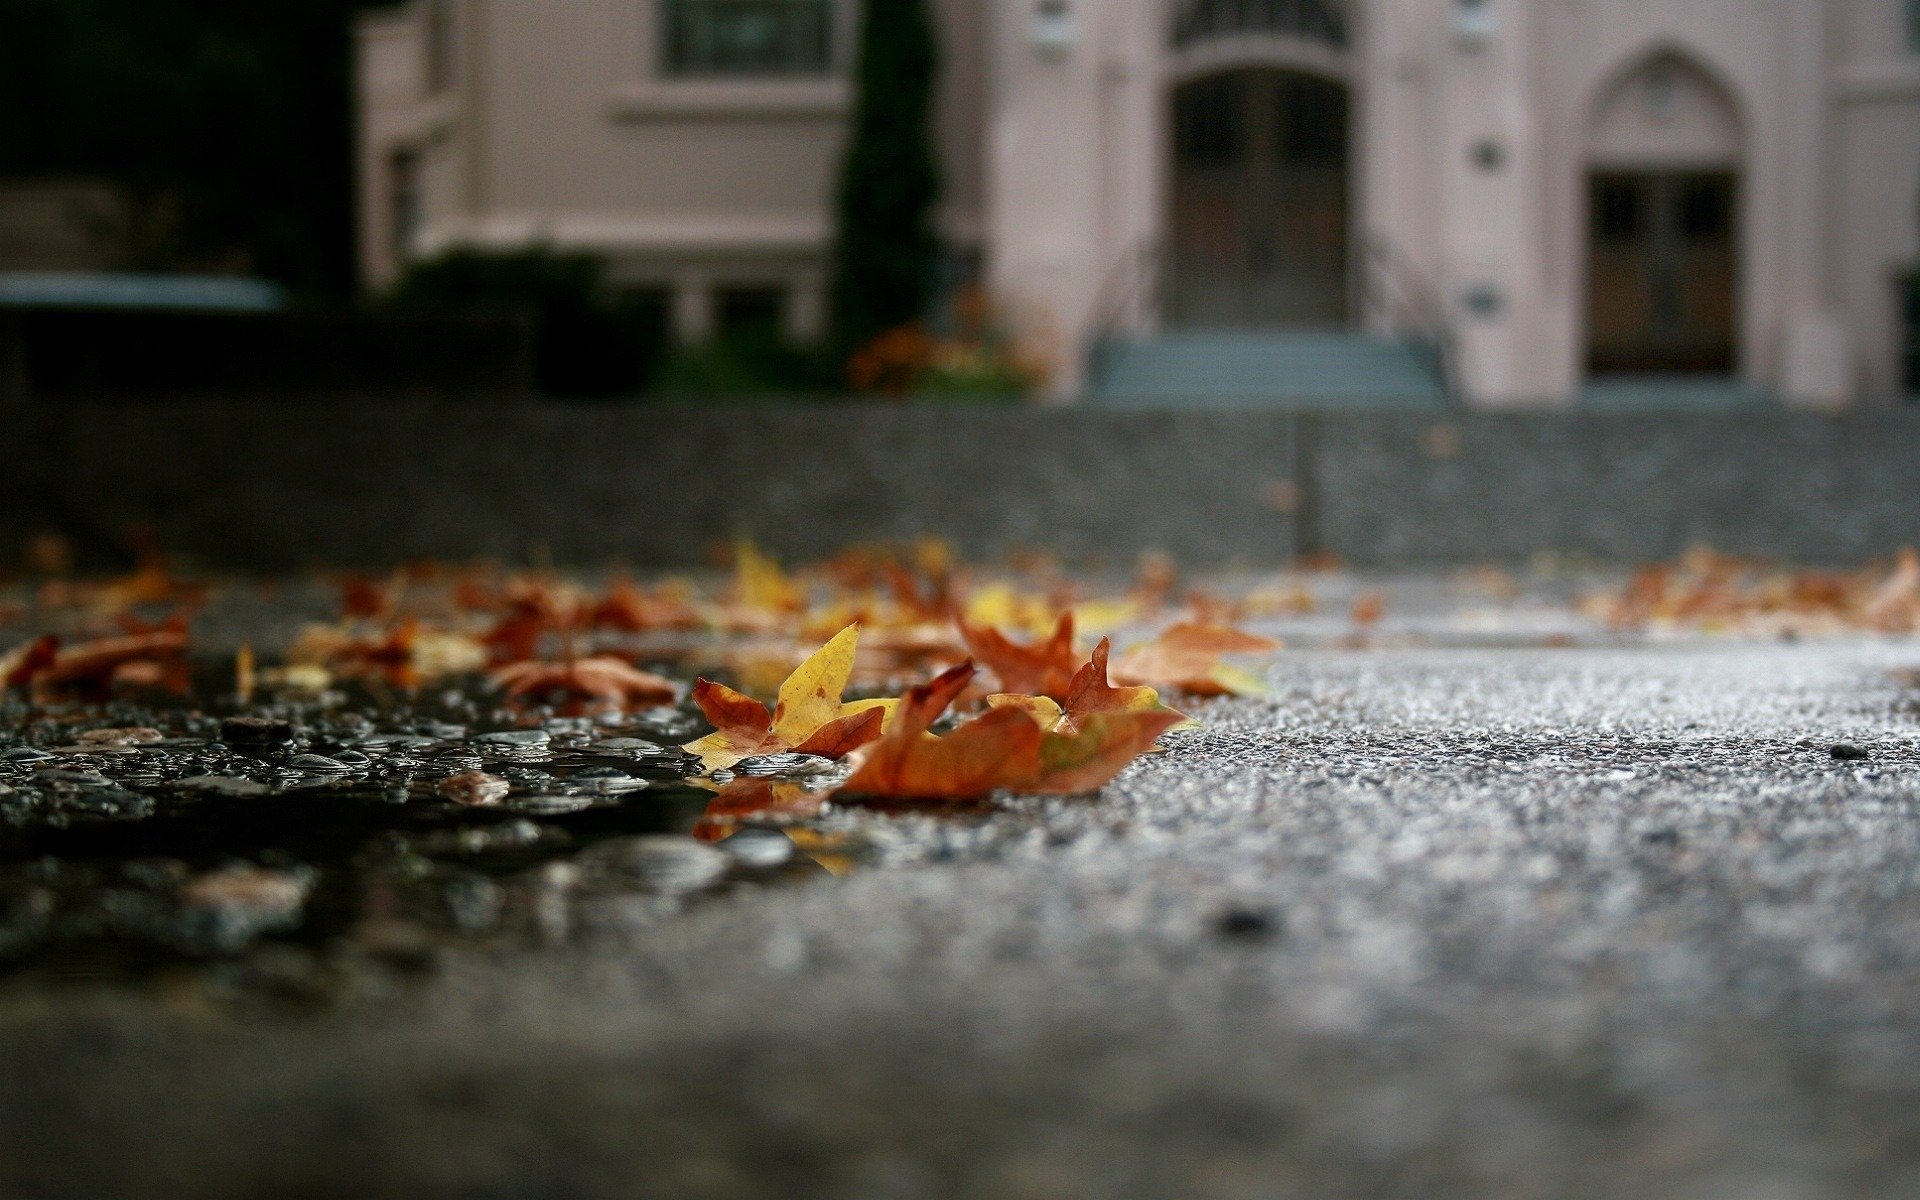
[[1487, 922]]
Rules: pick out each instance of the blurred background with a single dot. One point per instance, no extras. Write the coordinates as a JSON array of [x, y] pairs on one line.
[[1410, 205]]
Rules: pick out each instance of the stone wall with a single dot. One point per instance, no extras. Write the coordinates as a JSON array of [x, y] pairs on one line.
[[282, 485]]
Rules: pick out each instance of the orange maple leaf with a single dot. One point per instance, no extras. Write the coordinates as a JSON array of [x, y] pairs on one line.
[[1089, 693], [154, 659], [1007, 748], [1041, 668], [631, 609], [602, 681], [19, 665], [1186, 658]]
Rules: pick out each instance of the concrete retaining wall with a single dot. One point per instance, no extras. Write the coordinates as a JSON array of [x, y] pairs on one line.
[[274, 486]]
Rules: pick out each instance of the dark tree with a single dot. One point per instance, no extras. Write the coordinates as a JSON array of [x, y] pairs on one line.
[[887, 253], [226, 123]]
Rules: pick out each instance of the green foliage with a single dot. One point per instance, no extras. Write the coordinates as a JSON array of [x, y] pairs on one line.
[[975, 379], [587, 341], [754, 363], [887, 251], [228, 125]]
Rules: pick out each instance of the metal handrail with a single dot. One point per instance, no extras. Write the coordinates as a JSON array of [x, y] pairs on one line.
[[1131, 286], [1391, 283], [1394, 285]]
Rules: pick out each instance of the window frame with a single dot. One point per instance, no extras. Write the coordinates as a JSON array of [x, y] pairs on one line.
[[822, 63], [1321, 21]]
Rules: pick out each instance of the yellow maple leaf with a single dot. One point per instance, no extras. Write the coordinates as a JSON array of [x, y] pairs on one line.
[[809, 716]]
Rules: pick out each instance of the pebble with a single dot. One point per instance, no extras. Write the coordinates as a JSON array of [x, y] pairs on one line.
[[255, 731], [320, 763], [135, 736], [224, 785], [1248, 925], [522, 738], [763, 766], [639, 747]]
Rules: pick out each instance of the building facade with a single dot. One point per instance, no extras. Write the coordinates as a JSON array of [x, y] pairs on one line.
[[1556, 192]]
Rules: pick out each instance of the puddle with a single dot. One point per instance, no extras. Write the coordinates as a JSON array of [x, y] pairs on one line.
[[285, 849]]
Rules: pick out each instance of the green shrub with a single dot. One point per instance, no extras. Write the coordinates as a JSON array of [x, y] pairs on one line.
[[588, 341], [753, 363]]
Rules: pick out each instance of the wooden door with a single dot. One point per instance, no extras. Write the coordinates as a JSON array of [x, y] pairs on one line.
[[1259, 221], [1662, 280]]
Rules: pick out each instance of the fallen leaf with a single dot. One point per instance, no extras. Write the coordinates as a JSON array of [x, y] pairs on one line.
[[1040, 668], [363, 598], [631, 609], [1099, 749], [1090, 692], [475, 789], [980, 756], [22, 663], [1894, 606], [95, 668], [763, 596], [1186, 658], [999, 605], [809, 716], [602, 682], [1014, 746], [405, 655]]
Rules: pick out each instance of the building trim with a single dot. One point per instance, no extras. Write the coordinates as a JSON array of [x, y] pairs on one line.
[[1238, 50], [730, 100], [611, 233]]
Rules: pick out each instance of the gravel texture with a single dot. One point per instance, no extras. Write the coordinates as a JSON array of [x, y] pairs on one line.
[[1429, 923]]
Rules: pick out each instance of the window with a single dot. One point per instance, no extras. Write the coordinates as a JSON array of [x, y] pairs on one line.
[[1315, 20], [1616, 211], [1206, 122], [1706, 210], [1313, 121], [747, 37]]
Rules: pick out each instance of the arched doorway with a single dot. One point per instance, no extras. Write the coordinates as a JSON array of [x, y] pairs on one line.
[[1258, 227], [1664, 245]]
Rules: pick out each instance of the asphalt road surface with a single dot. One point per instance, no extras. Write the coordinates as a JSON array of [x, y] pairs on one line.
[[1490, 922]]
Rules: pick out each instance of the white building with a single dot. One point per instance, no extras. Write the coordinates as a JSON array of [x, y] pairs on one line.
[[1558, 192]]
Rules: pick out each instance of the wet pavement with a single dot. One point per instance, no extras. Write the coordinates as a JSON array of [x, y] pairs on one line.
[[1588, 920]]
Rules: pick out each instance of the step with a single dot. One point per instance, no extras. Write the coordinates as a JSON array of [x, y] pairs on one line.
[[1281, 370]]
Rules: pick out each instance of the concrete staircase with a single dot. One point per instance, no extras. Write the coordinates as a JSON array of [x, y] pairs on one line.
[[1331, 369], [1673, 393]]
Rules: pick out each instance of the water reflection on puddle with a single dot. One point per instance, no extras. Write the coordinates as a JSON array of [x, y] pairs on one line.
[[298, 852]]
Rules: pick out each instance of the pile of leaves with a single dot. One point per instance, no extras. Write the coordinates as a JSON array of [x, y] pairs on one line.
[[1708, 592], [902, 676]]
